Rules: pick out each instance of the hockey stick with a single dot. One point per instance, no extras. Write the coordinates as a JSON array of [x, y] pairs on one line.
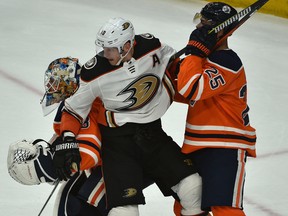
[[56, 184], [237, 20]]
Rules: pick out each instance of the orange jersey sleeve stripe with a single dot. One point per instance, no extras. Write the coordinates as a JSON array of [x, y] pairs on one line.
[[90, 138], [186, 82], [171, 73], [89, 146], [87, 160], [89, 157]]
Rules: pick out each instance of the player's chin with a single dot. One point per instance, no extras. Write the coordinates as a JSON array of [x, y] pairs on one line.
[[112, 62]]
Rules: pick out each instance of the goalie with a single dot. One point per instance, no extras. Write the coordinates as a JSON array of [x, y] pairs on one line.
[[33, 162]]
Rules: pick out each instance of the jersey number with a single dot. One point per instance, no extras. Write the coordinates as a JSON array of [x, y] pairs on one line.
[[245, 116], [215, 79]]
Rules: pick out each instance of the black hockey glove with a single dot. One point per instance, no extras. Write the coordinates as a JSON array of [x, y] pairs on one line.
[[200, 42], [67, 155]]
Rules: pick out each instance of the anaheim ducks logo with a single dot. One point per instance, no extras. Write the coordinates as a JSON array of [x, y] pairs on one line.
[[129, 192], [188, 162], [141, 91], [125, 25]]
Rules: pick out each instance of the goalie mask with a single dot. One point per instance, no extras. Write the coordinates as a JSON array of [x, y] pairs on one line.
[[61, 80]]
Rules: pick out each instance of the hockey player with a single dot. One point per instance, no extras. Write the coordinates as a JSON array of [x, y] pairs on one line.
[[30, 162], [218, 133], [130, 78]]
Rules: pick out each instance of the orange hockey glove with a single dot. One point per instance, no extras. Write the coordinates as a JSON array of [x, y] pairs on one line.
[[200, 42]]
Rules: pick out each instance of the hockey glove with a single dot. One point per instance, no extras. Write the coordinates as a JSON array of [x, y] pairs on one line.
[[67, 155], [30, 163], [200, 42]]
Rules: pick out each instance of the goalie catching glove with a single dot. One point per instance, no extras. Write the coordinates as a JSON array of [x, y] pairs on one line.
[[30, 163], [67, 156]]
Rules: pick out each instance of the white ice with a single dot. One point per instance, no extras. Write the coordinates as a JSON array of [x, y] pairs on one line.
[[35, 32]]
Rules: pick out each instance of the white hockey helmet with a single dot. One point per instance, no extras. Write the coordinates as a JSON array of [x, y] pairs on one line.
[[115, 33], [61, 80]]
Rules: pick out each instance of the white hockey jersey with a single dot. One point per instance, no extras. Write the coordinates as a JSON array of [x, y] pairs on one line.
[[137, 91]]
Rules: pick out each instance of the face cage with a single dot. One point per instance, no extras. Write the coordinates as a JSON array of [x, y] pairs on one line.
[[52, 83], [57, 88]]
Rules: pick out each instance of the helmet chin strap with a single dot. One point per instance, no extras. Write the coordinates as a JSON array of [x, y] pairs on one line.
[[123, 56]]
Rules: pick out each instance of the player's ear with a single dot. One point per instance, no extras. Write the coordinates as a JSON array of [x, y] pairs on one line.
[[127, 46], [220, 33]]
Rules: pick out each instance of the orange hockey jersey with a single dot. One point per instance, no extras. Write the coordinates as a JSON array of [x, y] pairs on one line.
[[218, 112], [88, 136]]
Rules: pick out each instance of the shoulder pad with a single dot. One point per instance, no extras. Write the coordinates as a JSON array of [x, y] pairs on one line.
[[226, 58], [96, 67], [145, 43]]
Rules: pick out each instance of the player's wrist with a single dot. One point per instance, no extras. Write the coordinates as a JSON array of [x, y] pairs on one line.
[[68, 134]]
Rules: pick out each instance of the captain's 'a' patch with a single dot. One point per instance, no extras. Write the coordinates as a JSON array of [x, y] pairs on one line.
[[91, 63]]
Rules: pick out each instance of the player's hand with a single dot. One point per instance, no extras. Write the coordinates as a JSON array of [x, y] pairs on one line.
[[67, 155], [200, 42]]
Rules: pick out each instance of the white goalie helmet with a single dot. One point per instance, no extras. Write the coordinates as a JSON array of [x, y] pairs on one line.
[[115, 33], [61, 80]]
